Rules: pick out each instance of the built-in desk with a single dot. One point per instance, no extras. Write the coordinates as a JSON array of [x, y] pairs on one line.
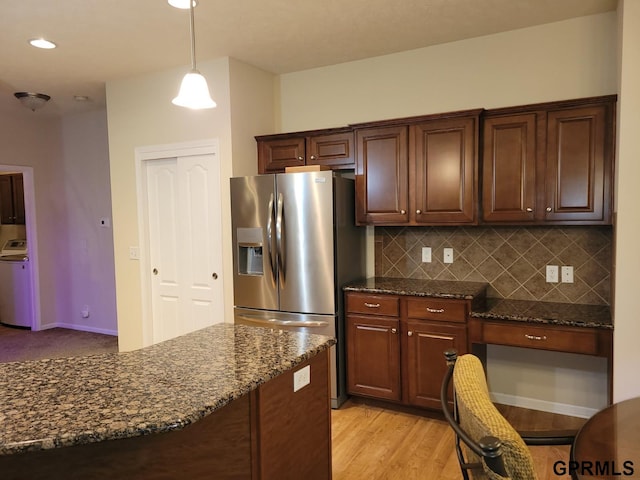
[[560, 327]]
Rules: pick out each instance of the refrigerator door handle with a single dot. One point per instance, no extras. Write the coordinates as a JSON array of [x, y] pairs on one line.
[[280, 240], [272, 263], [282, 323]]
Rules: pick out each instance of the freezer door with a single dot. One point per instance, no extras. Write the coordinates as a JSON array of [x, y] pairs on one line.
[[255, 278], [304, 242]]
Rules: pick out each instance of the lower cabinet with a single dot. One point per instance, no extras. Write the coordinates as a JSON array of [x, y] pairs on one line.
[[395, 345]]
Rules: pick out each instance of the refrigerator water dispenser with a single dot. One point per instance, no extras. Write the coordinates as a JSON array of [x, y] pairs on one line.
[[250, 251]]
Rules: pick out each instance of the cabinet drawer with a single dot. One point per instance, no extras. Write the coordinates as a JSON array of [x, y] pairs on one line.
[[437, 309], [373, 304], [544, 338]]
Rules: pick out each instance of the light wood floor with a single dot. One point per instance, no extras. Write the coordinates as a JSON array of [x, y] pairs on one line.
[[371, 442]]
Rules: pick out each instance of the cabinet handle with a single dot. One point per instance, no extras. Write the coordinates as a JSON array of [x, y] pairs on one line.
[[410, 333], [535, 337], [418, 212], [548, 209], [371, 305], [435, 310], [393, 330], [403, 212], [529, 209], [301, 158]]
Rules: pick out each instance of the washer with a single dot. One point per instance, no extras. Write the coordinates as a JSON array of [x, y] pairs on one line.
[[15, 285]]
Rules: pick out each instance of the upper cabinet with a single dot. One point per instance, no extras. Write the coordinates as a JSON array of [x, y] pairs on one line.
[[418, 171], [332, 148], [549, 163], [12, 199]]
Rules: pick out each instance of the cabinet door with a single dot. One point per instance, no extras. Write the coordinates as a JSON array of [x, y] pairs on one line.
[[445, 159], [18, 199], [6, 200], [382, 180], [373, 357], [509, 168], [424, 362], [275, 155], [579, 163], [334, 150]]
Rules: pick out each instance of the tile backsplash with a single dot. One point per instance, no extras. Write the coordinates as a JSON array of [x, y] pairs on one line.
[[512, 260]]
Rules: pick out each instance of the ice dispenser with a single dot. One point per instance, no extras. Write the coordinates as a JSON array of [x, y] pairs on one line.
[[250, 251]]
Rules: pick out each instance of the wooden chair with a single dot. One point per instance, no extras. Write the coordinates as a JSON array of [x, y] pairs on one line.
[[486, 443]]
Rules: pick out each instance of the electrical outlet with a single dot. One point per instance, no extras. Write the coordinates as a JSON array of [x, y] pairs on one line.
[[566, 272], [301, 378], [426, 254], [552, 274], [448, 255]]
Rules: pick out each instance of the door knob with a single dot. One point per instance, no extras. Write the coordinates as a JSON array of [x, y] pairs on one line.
[[214, 275], [155, 271]]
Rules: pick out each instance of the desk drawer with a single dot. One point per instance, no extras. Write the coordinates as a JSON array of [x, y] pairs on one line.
[[438, 309], [370, 304], [561, 339]]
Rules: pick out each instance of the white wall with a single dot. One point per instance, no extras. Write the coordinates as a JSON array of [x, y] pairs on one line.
[[29, 139], [140, 113], [570, 59], [627, 324], [88, 247]]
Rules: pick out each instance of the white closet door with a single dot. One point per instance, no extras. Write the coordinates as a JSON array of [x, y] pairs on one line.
[[185, 244]]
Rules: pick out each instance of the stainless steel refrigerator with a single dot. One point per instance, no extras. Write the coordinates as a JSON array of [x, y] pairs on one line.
[[295, 245]]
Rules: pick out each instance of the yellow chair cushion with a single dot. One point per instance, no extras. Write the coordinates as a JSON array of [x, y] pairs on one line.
[[479, 418]]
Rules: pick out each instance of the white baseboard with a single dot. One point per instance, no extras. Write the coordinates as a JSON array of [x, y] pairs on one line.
[[543, 405], [87, 328]]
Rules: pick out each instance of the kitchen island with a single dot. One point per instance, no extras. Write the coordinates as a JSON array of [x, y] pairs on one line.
[[217, 403]]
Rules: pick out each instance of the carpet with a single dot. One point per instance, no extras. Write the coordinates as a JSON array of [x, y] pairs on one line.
[[18, 345]]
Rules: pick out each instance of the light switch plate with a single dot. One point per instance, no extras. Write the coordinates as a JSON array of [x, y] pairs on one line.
[[301, 378], [426, 254], [448, 255], [134, 253], [552, 274]]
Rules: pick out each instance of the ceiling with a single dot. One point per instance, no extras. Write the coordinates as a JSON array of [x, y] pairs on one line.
[[104, 40]]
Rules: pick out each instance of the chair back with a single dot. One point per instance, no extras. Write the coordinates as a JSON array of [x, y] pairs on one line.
[[488, 446]]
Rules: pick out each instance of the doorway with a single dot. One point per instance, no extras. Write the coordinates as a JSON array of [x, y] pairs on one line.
[[32, 238], [180, 230]]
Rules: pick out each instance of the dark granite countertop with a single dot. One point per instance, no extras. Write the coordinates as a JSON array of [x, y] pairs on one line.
[[567, 314], [418, 287], [69, 401]]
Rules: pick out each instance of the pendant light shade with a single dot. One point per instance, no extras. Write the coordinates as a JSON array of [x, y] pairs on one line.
[[194, 91]]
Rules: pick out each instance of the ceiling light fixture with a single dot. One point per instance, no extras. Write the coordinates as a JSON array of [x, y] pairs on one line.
[[42, 43], [194, 92], [33, 101]]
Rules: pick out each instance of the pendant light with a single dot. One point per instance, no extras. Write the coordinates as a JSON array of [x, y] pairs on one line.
[[194, 92]]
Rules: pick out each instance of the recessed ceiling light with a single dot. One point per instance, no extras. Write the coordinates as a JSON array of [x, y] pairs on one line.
[[42, 43], [183, 4]]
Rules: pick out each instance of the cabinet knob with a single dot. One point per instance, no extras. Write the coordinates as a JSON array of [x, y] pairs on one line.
[[418, 212], [313, 157], [410, 333], [548, 209], [403, 212], [214, 275], [155, 271], [301, 159], [529, 209], [393, 330]]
